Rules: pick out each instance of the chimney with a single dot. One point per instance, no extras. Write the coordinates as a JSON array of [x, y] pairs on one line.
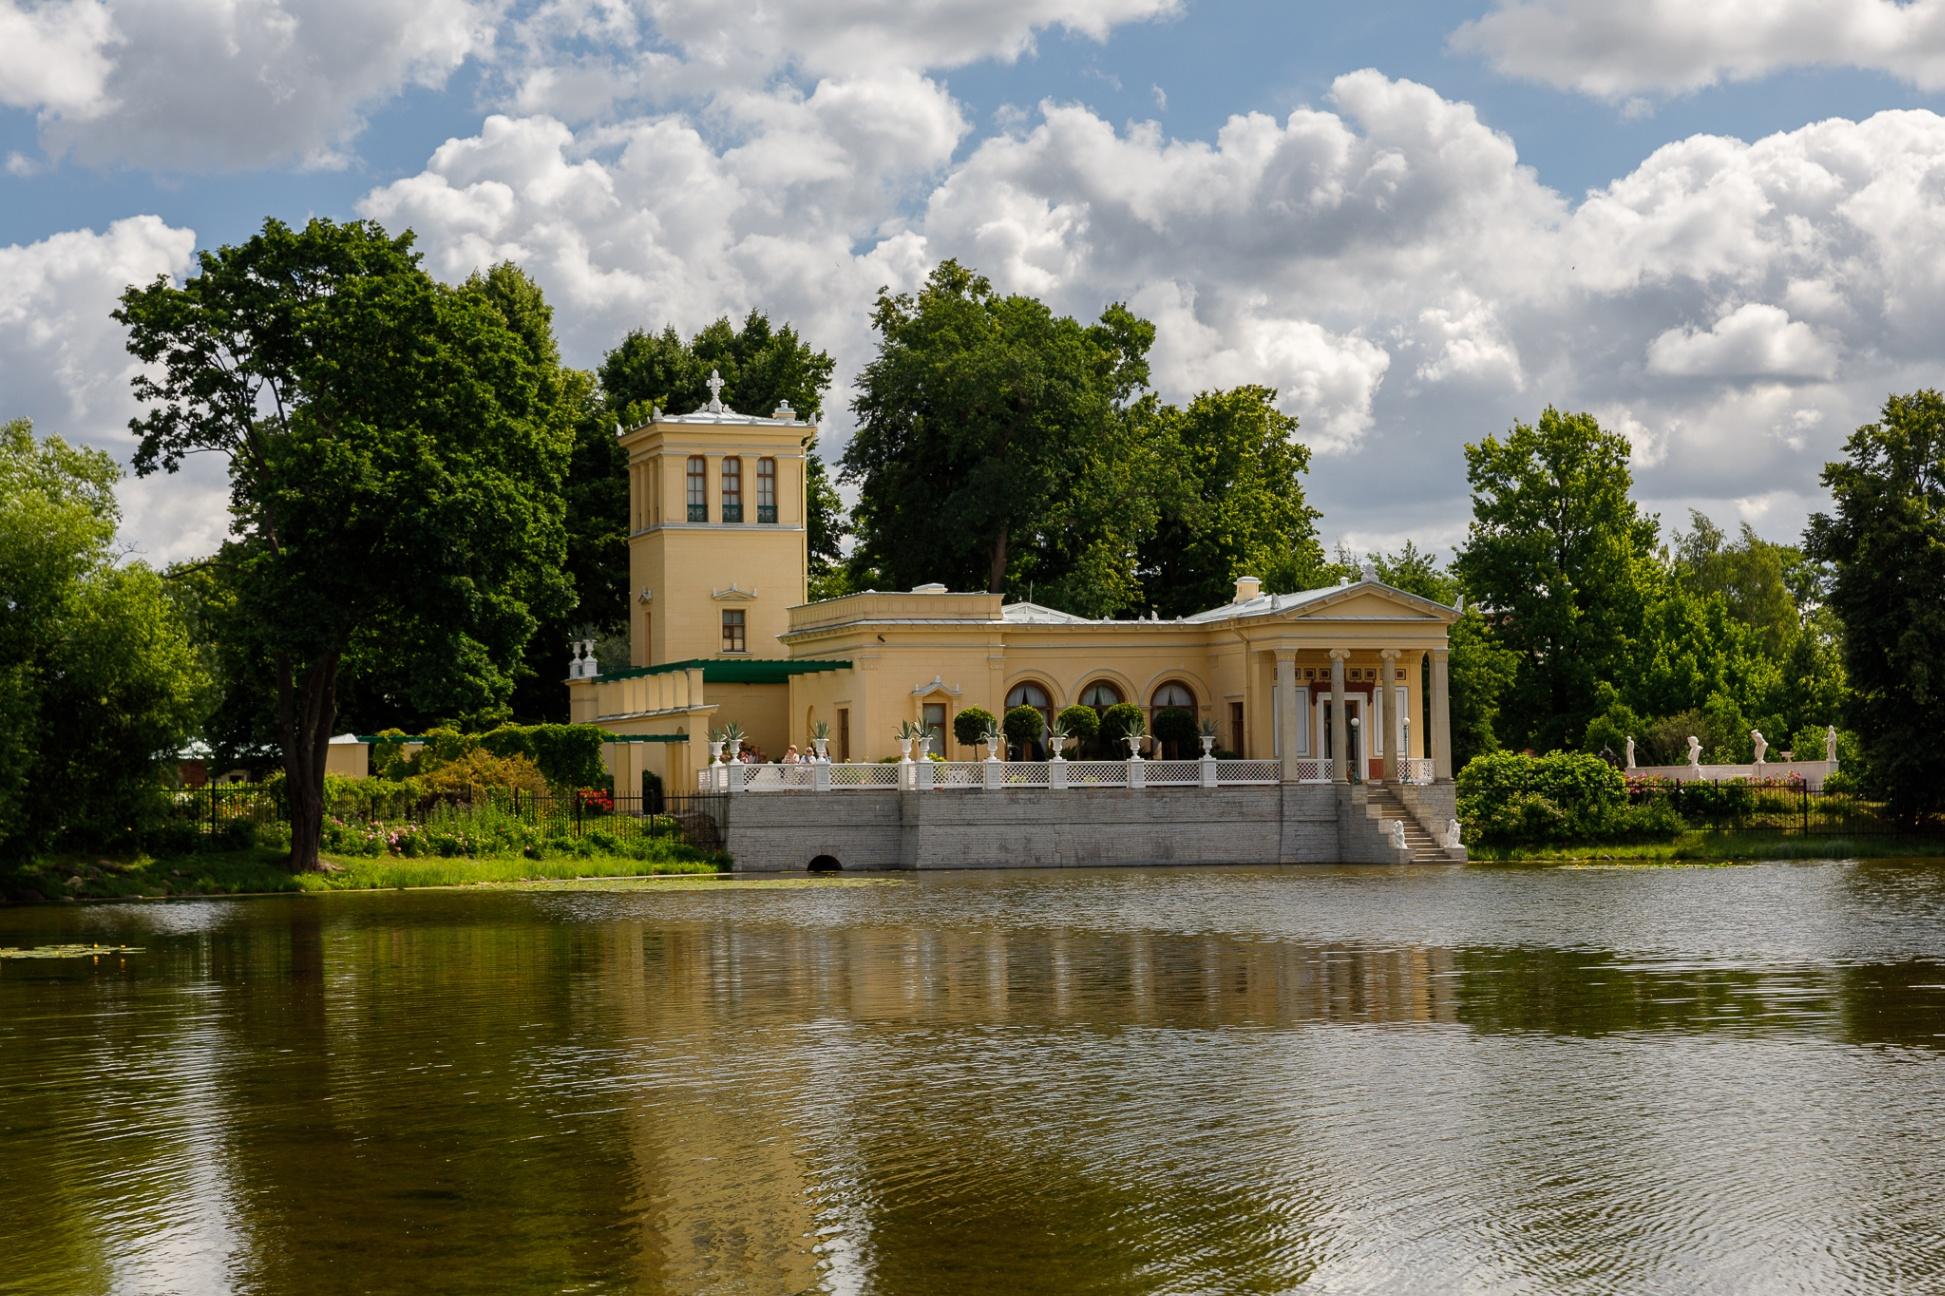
[[784, 411], [1247, 588]]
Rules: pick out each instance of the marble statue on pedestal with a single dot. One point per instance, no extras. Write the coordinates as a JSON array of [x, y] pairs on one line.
[[1761, 744], [1830, 744], [1630, 751], [1694, 752]]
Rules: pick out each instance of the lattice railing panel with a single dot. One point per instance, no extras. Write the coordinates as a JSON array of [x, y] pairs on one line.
[[1173, 773], [1097, 774], [1245, 773]]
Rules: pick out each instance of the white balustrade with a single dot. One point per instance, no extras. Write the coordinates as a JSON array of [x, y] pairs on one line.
[[947, 776]]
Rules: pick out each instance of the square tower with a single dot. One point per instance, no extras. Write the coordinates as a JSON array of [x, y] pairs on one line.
[[718, 549]]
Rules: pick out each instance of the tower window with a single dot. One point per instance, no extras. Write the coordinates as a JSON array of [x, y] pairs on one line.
[[766, 490], [698, 489], [732, 489], [734, 639]]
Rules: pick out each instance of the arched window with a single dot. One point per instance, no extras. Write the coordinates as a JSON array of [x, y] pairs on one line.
[[1173, 694], [1027, 693], [766, 490], [1100, 695], [698, 489], [732, 489]]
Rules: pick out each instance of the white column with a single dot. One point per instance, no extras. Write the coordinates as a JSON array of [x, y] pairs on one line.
[[1340, 729], [1286, 709], [1387, 667], [1441, 719]]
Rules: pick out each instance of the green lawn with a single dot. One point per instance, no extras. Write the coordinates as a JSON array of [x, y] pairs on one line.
[[88, 877], [1716, 848]]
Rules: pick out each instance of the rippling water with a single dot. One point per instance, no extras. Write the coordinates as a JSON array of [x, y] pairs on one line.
[[1333, 1080]]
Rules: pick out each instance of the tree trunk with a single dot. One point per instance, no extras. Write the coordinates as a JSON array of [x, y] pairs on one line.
[[306, 708], [996, 576]]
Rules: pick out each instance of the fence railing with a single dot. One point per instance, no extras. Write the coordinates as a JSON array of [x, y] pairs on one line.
[[697, 819], [994, 775], [1786, 810]]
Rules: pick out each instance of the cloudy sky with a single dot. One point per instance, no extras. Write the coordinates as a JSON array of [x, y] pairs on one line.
[[1720, 227]]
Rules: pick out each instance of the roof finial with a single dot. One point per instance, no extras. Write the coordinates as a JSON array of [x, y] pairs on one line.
[[715, 392]]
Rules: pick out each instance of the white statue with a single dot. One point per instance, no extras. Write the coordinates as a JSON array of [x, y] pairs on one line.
[[1630, 751], [1397, 827], [1830, 744], [1694, 752], [1452, 833], [1761, 744]]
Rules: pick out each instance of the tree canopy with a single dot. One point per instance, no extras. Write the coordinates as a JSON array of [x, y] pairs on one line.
[[99, 682], [396, 451], [1884, 539], [1555, 552]]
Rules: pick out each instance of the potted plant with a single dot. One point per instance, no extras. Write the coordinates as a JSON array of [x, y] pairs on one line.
[[993, 739], [1124, 722], [971, 724], [1207, 735], [1080, 724], [1173, 732], [820, 739], [733, 736], [715, 746], [909, 734], [1023, 726], [1057, 735]]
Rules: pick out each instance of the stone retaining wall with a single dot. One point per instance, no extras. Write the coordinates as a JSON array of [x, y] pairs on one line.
[[782, 832]]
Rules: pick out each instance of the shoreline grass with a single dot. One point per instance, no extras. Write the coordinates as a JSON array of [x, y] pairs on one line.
[[1716, 848], [262, 871]]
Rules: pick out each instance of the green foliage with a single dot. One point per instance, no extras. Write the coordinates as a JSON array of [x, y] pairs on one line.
[[568, 756], [1023, 725], [997, 445], [396, 450], [1505, 798], [972, 724], [1885, 542], [1082, 723], [99, 684], [1231, 503], [1121, 721], [1479, 675], [1415, 572], [1176, 726], [1556, 552]]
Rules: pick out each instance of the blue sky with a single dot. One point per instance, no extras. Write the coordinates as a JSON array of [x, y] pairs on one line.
[[1442, 218]]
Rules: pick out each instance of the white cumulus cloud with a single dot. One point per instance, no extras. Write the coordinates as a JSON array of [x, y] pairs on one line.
[[1615, 51]]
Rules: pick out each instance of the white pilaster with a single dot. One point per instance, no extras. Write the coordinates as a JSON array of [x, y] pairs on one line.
[[1441, 719], [1340, 730], [1286, 709]]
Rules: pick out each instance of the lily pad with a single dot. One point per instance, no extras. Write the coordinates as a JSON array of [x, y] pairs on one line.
[[66, 951]]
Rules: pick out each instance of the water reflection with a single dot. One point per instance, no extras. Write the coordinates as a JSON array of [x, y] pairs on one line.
[[1099, 1082]]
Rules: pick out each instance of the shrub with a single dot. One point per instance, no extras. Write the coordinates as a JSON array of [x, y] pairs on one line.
[[971, 724], [1023, 725], [1507, 798], [1122, 720], [1082, 723], [1175, 725], [237, 834]]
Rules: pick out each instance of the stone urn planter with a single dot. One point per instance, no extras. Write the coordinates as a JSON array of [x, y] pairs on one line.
[[992, 742], [1058, 743], [1208, 744], [822, 747], [1134, 746]]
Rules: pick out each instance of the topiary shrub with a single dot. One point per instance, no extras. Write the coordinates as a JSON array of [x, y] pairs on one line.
[[1023, 726], [1176, 727], [1120, 721], [972, 724], [1081, 723]]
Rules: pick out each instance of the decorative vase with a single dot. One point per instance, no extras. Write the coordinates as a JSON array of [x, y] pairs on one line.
[[822, 746], [1057, 744], [1208, 744], [992, 747], [735, 746], [1134, 746]]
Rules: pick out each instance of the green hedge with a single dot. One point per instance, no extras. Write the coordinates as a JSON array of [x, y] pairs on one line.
[[1507, 799], [567, 756]]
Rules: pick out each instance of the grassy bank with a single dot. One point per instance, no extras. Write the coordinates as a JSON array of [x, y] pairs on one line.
[[1724, 848], [88, 877]]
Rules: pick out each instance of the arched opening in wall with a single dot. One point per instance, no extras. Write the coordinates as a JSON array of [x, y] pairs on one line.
[[1172, 719], [1029, 693], [825, 864], [1100, 695]]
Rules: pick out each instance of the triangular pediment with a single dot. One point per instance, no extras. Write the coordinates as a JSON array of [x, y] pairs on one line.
[[1370, 601]]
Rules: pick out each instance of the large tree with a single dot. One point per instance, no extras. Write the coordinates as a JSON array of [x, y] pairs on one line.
[[998, 445], [1885, 541], [1230, 502], [396, 450], [99, 682], [1556, 552]]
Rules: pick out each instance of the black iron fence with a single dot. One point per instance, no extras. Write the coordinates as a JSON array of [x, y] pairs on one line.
[[1785, 810], [697, 820]]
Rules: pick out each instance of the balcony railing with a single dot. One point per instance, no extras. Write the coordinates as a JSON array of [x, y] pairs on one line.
[[698, 512], [994, 775], [732, 512], [766, 514]]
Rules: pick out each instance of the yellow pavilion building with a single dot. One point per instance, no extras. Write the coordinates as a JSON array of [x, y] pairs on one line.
[[1345, 683]]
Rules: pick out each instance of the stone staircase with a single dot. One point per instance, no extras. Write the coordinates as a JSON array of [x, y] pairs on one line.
[[1382, 804]]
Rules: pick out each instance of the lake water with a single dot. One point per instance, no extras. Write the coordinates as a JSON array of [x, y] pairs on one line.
[[1333, 1080]]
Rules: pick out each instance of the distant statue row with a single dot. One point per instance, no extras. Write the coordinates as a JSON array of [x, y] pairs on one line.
[[1760, 743], [580, 660]]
